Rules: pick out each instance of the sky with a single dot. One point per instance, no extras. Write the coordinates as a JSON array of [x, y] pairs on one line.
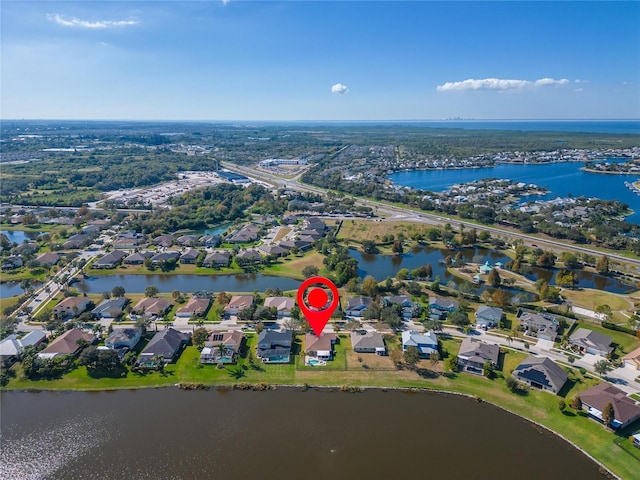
[[319, 60]]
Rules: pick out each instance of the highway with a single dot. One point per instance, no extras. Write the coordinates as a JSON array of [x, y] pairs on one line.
[[399, 213]]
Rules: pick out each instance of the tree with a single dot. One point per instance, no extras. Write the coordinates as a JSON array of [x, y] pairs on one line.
[[397, 248], [500, 297], [576, 403], [566, 278], [487, 369], [411, 356], [434, 358], [493, 278], [608, 415], [118, 291], [369, 246], [459, 318], [602, 265], [602, 367], [402, 274], [310, 271], [604, 310], [433, 324], [151, 291], [451, 363], [562, 405], [546, 260], [370, 286], [223, 298], [199, 336]]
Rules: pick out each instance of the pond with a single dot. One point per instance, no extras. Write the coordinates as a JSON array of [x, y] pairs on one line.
[[19, 236]]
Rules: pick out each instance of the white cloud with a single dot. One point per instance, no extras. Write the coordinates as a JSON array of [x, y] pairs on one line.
[[498, 84], [339, 88], [76, 22], [579, 80]]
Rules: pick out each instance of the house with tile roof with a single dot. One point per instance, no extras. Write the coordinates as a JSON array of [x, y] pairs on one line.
[[474, 354], [369, 342], [596, 399], [542, 373]]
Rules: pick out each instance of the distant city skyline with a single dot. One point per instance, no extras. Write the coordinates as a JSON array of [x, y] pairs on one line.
[[319, 61]]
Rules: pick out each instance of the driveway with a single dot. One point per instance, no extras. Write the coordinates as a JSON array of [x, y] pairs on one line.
[[544, 344]]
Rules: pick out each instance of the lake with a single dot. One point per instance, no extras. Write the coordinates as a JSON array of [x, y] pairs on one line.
[[187, 283], [383, 266], [562, 179], [174, 434], [19, 236]]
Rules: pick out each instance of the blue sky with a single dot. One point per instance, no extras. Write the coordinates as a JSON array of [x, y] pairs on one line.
[[327, 60]]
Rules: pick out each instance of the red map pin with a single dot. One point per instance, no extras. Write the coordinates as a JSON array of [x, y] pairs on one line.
[[320, 305]]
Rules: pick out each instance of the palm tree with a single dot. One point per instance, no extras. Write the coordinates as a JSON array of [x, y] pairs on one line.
[[223, 350]]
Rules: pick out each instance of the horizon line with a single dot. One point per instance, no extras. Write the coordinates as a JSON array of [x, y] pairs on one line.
[[452, 119]]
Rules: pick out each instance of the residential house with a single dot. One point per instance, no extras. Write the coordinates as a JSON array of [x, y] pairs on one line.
[[210, 240], [274, 347], [123, 338], [369, 342], [632, 359], [163, 241], [588, 341], [196, 306], [217, 259], [237, 304], [439, 307], [48, 258], [542, 373], [213, 353], [188, 240], [162, 257], [90, 229], [165, 347], [298, 243], [127, 241], [110, 260], [540, 326], [282, 304], [248, 233], [12, 262], [595, 400], [151, 306], [275, 250], [11, 347], [110, 308], [137, 258], [69, 343], [249, 256], [77, 241], [404, 301], [190, 256], [320, 347], [474, 354], [356, 306], [426, 343], [488, 317], [71, 307], [33, 339]]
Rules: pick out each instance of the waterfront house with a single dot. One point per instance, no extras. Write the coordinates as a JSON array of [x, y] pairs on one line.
[[588, 341], [356, 306], [165, 347], [274, 250], [69, 343], [440, 307], [137, 258], [196, 306], [274, 347], [110, 308], [426, 343], [71, 307], [213, 353], [369, 342], [110, 260], [320, 347], [123, 338], [542, 373], [217, 259], [474, 354], [282, 304], [12, 262], [190, 256], [248, 233], [237, 304], [632, 359], [162, 257], [151, 306], [210, 240], [188, 240], [540, 326], [595, 400], [248, 256], [11, 347], [488, 317], [48, 258]]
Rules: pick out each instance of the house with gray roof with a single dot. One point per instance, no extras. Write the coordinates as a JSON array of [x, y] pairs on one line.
[[110, 260], [356, 306], [123, 337], [540, 326], [188, 240], [542, 373], [588, 341], [165, 257], [369, 342], [274, 347], [488, 317], [210, 240], [249, 256], [190, 256], [163, 240], [48, 258], [110, 308], [282, 304], [474, 354], [441, 306], [217, 259], [426, 343], [137, 258], [165, 346]]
